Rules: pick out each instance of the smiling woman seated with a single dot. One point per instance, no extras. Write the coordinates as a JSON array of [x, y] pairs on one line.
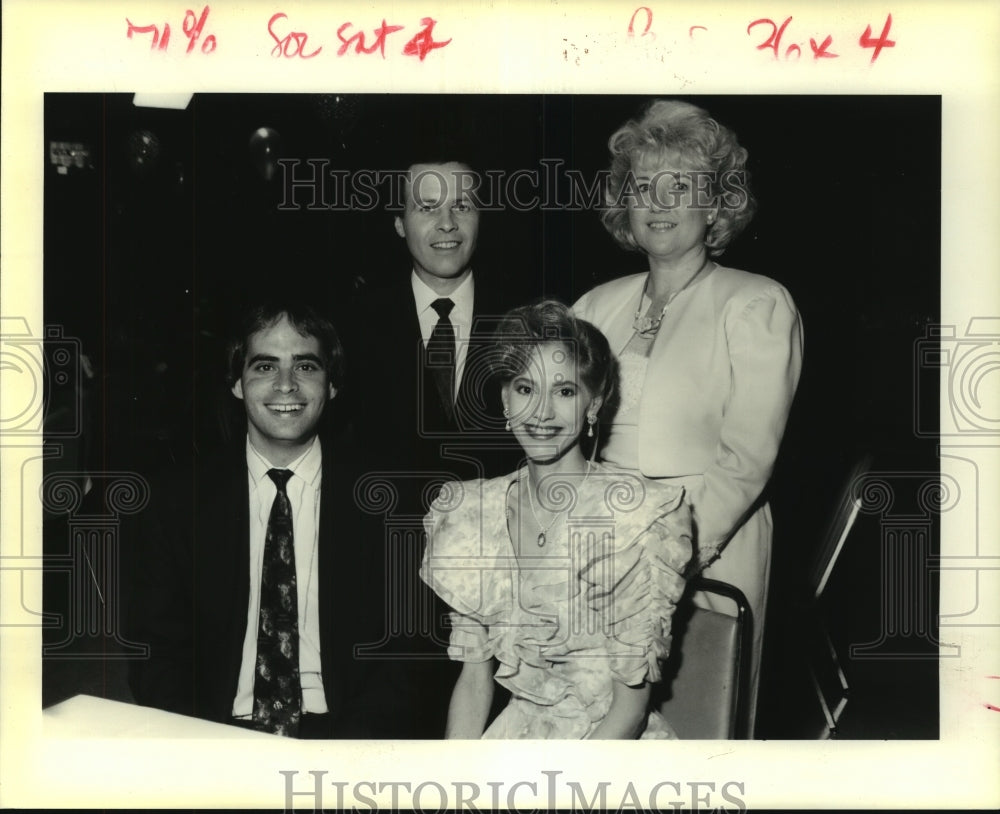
[[563, 573]]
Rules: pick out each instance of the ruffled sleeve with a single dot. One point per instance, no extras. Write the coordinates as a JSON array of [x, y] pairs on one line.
[[634, 579], [461, 565]]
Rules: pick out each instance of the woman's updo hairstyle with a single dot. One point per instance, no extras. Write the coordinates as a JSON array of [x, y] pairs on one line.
[[524, 329]]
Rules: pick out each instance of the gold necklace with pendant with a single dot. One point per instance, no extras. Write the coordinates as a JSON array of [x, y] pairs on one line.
[[542, 538]]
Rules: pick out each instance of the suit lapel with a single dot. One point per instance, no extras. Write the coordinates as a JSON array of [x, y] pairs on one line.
[[335, 573], [409, 324], [240, 542], [402, 351], [395, 333], [222, 549], [324, 550], [469, 401], [407, 345], [432, 394]]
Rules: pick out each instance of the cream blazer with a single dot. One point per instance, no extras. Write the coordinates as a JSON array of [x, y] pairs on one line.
[[719, 385]]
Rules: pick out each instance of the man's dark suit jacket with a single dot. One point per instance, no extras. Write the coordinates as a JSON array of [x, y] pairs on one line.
[[395, 425], [411, 453], [191, 594]]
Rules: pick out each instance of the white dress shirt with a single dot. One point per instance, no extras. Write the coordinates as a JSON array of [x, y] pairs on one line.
[[303, 491], [460, 316]]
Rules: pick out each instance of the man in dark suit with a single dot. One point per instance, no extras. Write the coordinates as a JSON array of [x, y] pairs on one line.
[[254, 585], [426, 406], [419, 356]]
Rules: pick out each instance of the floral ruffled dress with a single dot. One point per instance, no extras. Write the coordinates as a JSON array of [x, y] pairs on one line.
[[592, 605]]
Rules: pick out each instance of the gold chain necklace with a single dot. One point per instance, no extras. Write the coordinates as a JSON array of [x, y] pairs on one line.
[[542, 539], [651, 325]]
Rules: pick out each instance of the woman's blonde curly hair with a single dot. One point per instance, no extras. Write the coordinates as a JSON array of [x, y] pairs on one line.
[[680, 128]]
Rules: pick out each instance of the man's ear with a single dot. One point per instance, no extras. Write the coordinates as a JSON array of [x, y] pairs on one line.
[[333, 392], [238, 389], [400, 229]]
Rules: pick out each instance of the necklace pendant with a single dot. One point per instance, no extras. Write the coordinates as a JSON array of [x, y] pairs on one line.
[[541, 539]]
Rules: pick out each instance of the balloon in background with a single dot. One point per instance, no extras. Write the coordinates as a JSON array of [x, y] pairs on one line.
[[265, 150], [144, 151]]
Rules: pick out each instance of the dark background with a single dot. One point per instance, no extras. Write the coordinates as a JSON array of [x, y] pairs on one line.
[[153, 246]]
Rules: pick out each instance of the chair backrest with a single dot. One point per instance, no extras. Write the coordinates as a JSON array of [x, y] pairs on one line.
[[839, 528], [706, 679]]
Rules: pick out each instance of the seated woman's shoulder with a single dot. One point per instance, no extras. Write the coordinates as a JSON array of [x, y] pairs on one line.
[[462, 495], [453, 493], [661, 493], [629, 490]]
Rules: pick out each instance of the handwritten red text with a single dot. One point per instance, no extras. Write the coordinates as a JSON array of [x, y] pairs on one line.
[[193, 26], [354, 39], [784, 43], [292, 44], [358, 39], [773, 42]]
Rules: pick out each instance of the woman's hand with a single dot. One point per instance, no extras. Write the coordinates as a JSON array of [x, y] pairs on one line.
[[470, 701], [626, 718]]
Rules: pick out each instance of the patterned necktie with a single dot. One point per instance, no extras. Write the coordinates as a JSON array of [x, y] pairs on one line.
[[277, 691], [441, 356]]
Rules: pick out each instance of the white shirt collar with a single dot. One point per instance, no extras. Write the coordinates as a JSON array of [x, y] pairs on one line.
[[463, 296], [307, 466]]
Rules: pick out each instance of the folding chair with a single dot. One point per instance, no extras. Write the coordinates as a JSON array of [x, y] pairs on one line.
[[828, 678], [706, 678]]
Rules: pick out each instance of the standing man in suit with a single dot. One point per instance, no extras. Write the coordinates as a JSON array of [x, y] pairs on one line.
[[426, 406], [424, 339], [251, 590]]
